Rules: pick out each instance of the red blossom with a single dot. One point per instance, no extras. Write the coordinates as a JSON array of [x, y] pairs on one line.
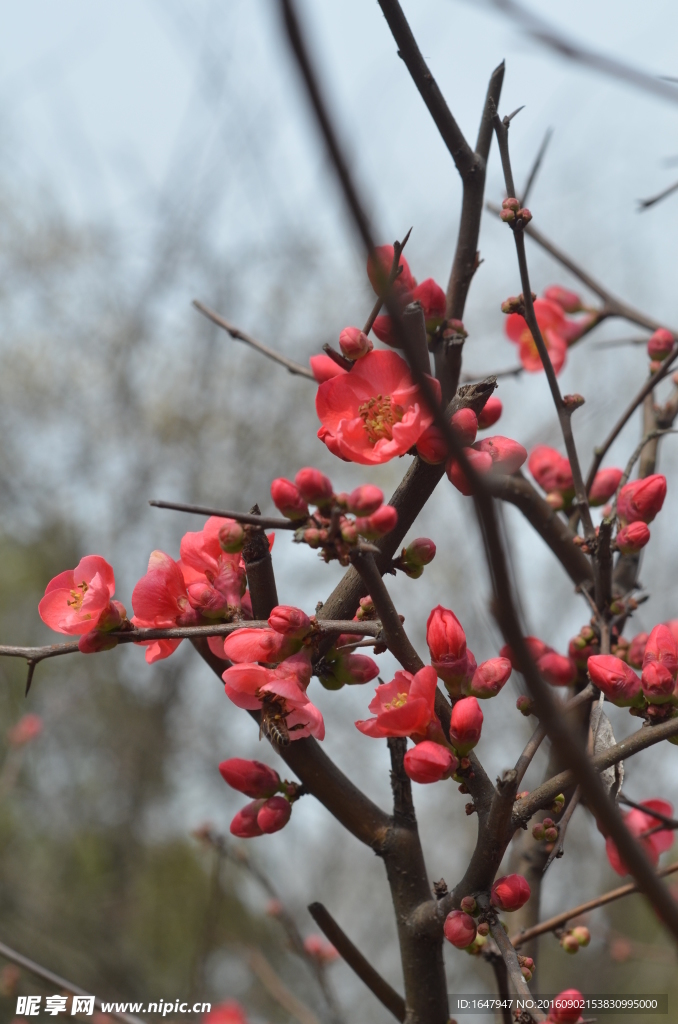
[[432, 446], [76, 600], [403, 707], [638, 823], [566, 1007], [446, 641], [289, 621], [490, 412], [354, 343], [274, 814], [660, 665], [632, 538], [244, 825], [365, 500], [660, 344], [430, 762], [568, 301], [324, 368], [375, 412], [160, 601], [288, 500], [552, 324], [313, 486], [215, 580], [616, 679], [641, 500], [481, 463], [489, 678], [466, 723], [248, 685], [511, 892], [264, 645], [378, 524], [459, 929], [252, 778], [556, 669], [379, 267], [550, 469], [605, 483]]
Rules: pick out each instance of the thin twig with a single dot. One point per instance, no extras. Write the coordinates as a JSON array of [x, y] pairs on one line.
[[265, 522], [276, 987], [510, 958], [534, 170], [61, 983], [562, 828], [386, 995], [583, 908], [394, 634], [645, 204], [395, 271], [238, 335]]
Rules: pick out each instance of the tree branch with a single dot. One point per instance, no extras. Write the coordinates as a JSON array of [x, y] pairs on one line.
[[512, 966], [266, 522], [296, 368]]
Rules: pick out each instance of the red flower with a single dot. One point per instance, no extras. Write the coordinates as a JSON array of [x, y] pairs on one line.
[[550, 469], [641, 500], [568, 301], [660, 345], [505, 456], [430, 762], [616, 679], [215, 580], [287, 499], [379, 267], [490, 413], [459, 929], [375, 412], [489, 678], [76, 600], [451, 659], [324, 368], [552, 324], [289, 621], [229, 1012], [354, 343], [566, 1007], [314, 486], [403, 707], [252, 778], [511, 892], [638, 823], [365, 500], [432, 446], [466, 723], [248, 685], [660, 665], [274, 814], [265, 645], [160, 600], [605, 483]]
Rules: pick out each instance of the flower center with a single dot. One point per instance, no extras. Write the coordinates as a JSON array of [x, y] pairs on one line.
[[398, 702], [78, 596], [379, 414]]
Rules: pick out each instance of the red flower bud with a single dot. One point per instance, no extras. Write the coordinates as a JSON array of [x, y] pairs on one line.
[[582, 935], [432, 446], [661, 647], [468, 904], [365, 500], [252, 778], [660, 344], [419, 552], [605, 483], [274, 814], [632, 538], [510, 892], [379, 523], [354, 343], [464, 423], [566, 1007], [636, 650], [525, 705], [314, 486], [506, 453], [489, 678], [508, 216], [459, 929], [556, 669], [481, 463], [550, 469], [95, 642], [356, 669], [430, 762], [319, 949], [641, 500], [568, 301], [445, 635], [244, 824], [379, 267], [288, 500], [536, 648], [289, 621], [569, 944], [433, 301], [383, 328], [510, 203], [524, 215], [466, 722], [232, 537], [490, 413], [616, 679]]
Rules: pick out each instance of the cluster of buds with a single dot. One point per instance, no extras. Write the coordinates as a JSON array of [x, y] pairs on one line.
[[462, 931], [583, 646], [516, 304], [659, 346], [526, 964], [272, 797], [545, 831], [418, 553], [575, 938], [330, 528], [455, 663], [638, 503], [553, 473], [655, 693], [513, 214]]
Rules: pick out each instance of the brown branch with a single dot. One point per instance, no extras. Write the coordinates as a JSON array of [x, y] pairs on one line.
[[61, 983], [393, 631], [539, 734], [510, 958], [256, 554], [380, 988], [534, 170], [565, 741], [645, 204], [266, 522], [296, 368], [600, 901]]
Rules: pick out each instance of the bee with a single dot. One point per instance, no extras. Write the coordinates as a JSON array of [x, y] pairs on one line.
[[274, 721]]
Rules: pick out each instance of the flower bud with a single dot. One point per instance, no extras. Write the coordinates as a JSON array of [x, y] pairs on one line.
[[252, 778], [379, 267], [429, 762], [536, 648], [365, 500], [445, 635], [314, 486], [508, 216], [28, 728], [558, 803], [526, 973], [433, 301], [490, 413], [510, 203], [566, 1007], [569, 943], [616, 679], [658, 683], [232, 537], [525, 705], [550, 469], [366, 608], [288, 500], [320, 950], [551, 834], [432, 446], [419, 552], [568, 301], [489, 678], [466, 722], [378, 524], [660, 344], [289, 621], [582, 935], [524, 215], [507, 455], [636, 650], [514, 304], [468, 905], [274, 814], [511, 892], [641, 500], [481, 462], [556, 669], [662, 648], [605, 483], [95, 642], [538, 831], [632, 538], [464, 423], [312, 537], [356, 669], [483, 929], [244, 825], [459, 929], [354, 343]]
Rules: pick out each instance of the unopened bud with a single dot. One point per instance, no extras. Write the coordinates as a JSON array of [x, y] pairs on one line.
[[524, 215], [572, 402], [289, 621], [469, 905], [288, 500], [378, 524], [558, 803], [526, 973], [538, 832], [365, 500], [419, 552], [550, 835], [312, 537], [510, 203], [569, 943], [514, 304], [660, 345], [354, 343], [490, 413], [483, 928], [582, 935], [314, 486], [232, 537], [525, 705], [632, 538], [508, 216]]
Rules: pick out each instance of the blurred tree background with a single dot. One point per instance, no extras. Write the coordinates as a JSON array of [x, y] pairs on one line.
[[180, 164]]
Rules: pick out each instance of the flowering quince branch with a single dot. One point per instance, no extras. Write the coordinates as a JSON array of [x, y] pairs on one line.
[[265, 522]]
